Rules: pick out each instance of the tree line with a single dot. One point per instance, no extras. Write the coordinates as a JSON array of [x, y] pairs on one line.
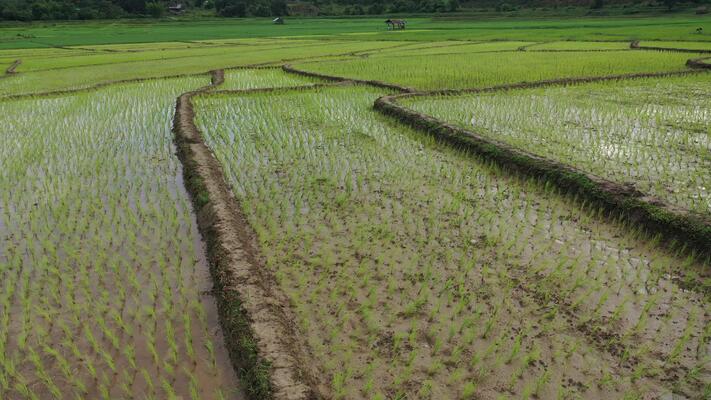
[[34, 10], [37, 10]]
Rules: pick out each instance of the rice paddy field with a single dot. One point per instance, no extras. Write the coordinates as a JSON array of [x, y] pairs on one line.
[[190, 219], [653, 133]]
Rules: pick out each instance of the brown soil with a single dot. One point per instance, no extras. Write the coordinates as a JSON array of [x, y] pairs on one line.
[[288, 68], [239, 272]]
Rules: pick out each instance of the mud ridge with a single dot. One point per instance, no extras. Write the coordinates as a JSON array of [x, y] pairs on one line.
[[258, 327], [673, 223], [698, 63], [551, 82], [379, 84], [11, 69], [634, 45]]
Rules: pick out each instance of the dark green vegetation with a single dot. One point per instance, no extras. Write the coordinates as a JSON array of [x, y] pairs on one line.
[[351, 256], [36, 10]]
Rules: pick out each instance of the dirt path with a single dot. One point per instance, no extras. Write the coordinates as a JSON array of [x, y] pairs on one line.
[[259, 329]]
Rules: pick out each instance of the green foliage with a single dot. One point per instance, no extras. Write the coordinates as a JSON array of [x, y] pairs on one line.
[[155, 9]]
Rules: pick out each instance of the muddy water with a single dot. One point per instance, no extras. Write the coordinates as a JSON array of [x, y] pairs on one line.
[[104, 285]]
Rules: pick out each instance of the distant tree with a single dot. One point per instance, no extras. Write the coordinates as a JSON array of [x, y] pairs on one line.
[[597, 4], [155, 9], [376, 9], [231, 8], [670, 4], [238, 9], [133, 6], [278, 8], [453, 5]]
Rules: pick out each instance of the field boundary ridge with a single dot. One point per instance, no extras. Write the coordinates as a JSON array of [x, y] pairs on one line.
[[11, 69], [255, 315], [634, 45]]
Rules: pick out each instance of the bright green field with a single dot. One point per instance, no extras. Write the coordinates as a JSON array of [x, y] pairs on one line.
[[675, 27], [469, 70]]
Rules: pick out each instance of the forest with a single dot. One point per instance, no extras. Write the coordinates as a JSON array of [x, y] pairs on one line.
[[45, 10]]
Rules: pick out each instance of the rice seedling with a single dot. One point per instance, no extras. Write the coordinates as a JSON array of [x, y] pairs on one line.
[[579, 46], [429, 72], [338, 195], [97, 263], [650, 132], [263, 78], [90, 70]]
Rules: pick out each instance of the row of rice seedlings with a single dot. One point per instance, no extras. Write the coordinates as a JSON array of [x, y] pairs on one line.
[[172, 55], [263, 78], [461, 47], [149, 65], [655, 133], [417, 272], [101, 267], [487, 69], [580, 45]]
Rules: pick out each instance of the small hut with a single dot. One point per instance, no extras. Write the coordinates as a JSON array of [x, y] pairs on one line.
[[176, 8], [394, 24], [278, 21]]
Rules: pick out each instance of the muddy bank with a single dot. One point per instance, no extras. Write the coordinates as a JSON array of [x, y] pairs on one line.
[[699, 63], [673, 223], [634, 45], [11, 69], [259, 331], [551, 82]]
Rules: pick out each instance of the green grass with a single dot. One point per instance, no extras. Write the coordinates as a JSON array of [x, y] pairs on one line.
[[415, 269], [488, 69], [653, 133]]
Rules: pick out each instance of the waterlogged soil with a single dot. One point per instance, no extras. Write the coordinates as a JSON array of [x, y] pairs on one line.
[[652, 133], [104, 285], [416, 271]]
